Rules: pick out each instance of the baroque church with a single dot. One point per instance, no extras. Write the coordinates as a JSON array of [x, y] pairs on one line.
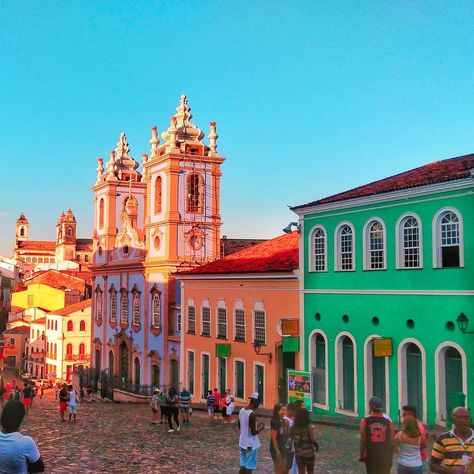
[[149, 224], [67, 252]]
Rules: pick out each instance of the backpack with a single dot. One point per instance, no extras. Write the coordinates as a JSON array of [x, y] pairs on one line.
[[304, 447]]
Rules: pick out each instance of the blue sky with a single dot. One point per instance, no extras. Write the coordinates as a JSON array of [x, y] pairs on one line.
[[310, 98]]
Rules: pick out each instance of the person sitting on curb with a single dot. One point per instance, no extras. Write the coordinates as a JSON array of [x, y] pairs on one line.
[[18, 453]]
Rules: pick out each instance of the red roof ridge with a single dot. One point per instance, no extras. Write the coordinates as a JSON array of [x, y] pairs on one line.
[[280, 254], [72, 308], [431, 173]]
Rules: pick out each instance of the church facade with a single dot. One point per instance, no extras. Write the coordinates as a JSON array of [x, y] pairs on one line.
[[67, 252], [148, 224]]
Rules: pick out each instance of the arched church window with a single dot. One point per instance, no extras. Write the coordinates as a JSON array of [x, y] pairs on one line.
[[69, 231], [101, 214], [22, 232], [158, 195], [136, 309], [124, 308], [156, 310], [195, 193]]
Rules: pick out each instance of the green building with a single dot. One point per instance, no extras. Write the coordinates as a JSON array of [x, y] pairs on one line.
[[393, 259]]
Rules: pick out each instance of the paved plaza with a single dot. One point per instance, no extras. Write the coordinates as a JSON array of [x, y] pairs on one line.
[[118, 438]]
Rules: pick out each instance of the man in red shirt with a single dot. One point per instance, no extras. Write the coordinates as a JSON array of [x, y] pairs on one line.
[[376, 440], [217, 398]]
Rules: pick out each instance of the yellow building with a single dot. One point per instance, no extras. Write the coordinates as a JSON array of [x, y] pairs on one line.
[[40, 296], [68, 339]]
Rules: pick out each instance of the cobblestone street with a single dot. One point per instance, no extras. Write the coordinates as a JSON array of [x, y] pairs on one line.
[[119, 438]]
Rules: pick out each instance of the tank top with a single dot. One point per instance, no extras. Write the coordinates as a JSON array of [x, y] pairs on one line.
[[378, 442], [72, 397], [247, 439], [409, 454]]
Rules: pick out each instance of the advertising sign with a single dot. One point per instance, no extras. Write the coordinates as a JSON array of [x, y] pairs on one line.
[[290, 327], [299, 387], [383, 347]]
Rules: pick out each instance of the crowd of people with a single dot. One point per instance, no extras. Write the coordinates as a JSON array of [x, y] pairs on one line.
[[293, 445]]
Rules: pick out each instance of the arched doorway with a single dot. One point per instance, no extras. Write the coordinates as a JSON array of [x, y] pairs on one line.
[[450, 379], [123, 362], [348, 388], [318, 367], [414, 378], [111, 363], [376, 380], [137, 371]]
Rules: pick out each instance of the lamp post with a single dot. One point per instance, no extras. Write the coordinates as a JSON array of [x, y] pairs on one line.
[[463, 323], [257, 347]]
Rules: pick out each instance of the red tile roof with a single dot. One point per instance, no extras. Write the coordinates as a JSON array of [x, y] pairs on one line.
[[39, 321], [72, 308], [275, 255], [59, 279], [18, 330], [37, 245], [432, 173]]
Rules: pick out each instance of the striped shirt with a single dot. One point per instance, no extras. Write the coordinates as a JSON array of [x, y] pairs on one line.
[[185, 398], [451, 451], [211, 401]]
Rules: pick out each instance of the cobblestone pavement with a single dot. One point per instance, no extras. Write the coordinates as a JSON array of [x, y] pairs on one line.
[[119, 438]]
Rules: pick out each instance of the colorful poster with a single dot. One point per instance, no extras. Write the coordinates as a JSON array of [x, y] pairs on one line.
[[299, 387]]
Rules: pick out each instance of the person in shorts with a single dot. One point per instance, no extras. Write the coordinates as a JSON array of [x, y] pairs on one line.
[[63, 396], [185, 404], [211, 401], [249, 442], [71, 402], [27, 396]]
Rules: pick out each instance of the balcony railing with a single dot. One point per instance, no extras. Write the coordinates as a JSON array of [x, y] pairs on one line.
[[51, 355], [77, 357]]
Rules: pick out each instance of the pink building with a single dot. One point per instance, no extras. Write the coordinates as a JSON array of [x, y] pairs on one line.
[[233, 311]]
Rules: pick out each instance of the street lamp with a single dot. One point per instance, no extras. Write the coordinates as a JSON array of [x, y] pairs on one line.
[[463, 322], [257, 347]]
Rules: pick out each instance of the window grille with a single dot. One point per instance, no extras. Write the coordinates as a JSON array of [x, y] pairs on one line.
[[259, 327], [376, 246], [411, 243], [346, 248], [222, 323], [124, 308], [239, 325], [191, 320], [206, 322], [156, 310], [319, 250]]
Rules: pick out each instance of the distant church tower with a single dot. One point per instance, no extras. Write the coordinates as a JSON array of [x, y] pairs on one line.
[[21, 228], [146, 227], [66, 237]]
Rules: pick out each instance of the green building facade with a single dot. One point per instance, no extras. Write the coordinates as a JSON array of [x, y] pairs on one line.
[[393, 259]]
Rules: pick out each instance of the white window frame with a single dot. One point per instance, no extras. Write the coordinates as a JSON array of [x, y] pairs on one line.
[[400, 245], [338, 368], [113, 298], [311, 357], [436, 226], [238, 359], [366, 245], [312, 250], [337, 248], [99, 304]]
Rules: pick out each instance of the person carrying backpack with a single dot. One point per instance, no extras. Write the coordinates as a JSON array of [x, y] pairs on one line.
[[304, 442]]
